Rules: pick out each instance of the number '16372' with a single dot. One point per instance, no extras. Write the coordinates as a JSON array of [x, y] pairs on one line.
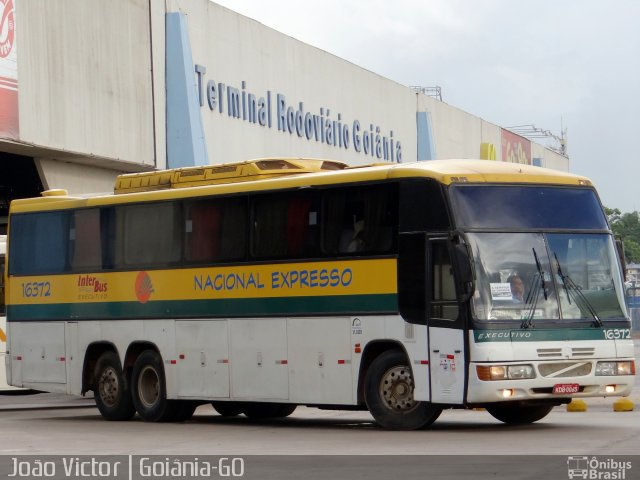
[[617, 334], [36, 289]]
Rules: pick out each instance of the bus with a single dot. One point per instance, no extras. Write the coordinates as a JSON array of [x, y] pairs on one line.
[[3, 321], [5, 388], [264, 285]]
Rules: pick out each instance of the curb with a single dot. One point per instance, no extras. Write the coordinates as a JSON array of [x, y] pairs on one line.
[[623, 404], [577, 405]]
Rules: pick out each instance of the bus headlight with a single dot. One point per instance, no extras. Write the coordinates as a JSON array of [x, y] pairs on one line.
[[615, 368], [505, 372], [521, 371]]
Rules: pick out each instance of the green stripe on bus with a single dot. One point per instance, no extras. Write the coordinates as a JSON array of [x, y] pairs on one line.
[[481, 336], [338, 304]]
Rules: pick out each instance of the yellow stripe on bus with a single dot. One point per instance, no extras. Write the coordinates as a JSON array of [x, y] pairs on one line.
[[353, 277]]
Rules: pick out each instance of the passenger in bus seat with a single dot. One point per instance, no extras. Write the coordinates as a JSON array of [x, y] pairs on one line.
[[357, 242]]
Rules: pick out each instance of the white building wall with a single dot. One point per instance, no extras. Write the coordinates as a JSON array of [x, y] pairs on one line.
[[93, 93], [234, 49], [84, 78], [550, 159], [157, 52], [491, 134], [76, 178], [456, 134]]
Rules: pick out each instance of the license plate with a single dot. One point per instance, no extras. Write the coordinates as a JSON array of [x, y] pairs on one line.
[[564, 388]]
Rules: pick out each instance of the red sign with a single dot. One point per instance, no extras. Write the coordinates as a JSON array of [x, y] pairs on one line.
[[8, 72], [7, 28], [515, 149], [565, 388]]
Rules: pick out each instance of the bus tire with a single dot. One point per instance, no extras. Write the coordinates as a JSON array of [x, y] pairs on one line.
[[519, 414], [388, 393], [111, 391], [150, 390], [260, 410], [227, 409]]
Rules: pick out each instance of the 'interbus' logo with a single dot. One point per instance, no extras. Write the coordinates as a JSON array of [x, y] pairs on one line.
[[90, 287], [7, 27], [144, 287]]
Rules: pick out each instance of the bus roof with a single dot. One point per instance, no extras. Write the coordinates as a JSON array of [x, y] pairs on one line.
[[259, 169], [283, 173], [445, 171]]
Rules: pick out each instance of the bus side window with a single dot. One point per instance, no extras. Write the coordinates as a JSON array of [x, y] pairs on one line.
[[44, 246], [215, 230], [86, 240], [422, 206], [269, 231], [108, 236], [284, 226], [297, 226], [148, 234], [443, 289], [335, 231], [360, 220], [233, 244], [202, 231]]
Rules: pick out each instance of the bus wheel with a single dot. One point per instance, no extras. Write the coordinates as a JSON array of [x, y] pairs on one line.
[[518, 414], [111, 393], [149, 389], [261, 410], [388, 393], [227, 409]]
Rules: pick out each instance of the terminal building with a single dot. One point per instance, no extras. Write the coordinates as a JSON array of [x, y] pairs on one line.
[[91, 89]]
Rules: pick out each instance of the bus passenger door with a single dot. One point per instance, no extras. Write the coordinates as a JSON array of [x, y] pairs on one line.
[[446, 326]]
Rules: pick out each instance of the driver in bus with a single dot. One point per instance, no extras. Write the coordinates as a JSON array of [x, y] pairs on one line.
[[517, 288]]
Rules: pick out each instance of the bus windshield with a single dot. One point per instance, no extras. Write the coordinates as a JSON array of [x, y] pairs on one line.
[[526, 269], [542, 276], [528, 207]]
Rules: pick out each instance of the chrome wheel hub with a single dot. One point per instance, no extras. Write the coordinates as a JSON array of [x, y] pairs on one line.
[[148, 387], [396, 389], [108, 386]]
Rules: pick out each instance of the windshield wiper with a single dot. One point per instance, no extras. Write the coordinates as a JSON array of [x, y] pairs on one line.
[[542, 281], [570, 287], [534, 293]]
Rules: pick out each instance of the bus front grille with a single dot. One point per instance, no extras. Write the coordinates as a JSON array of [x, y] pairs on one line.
[[565, 369], [576, 352]]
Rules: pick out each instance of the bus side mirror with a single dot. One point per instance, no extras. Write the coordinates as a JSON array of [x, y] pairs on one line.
[[465, 273]]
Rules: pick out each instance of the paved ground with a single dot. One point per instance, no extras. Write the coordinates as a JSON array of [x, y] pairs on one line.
[[49, 426], [321, 445]]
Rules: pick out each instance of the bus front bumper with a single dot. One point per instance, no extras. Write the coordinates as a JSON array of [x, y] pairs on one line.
[[551, 381]]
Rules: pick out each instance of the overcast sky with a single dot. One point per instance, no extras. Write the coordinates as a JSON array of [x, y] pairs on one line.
[[551, 63]]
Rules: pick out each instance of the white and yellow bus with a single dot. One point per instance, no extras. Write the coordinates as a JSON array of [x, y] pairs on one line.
[[274, 283], [5, 388]]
